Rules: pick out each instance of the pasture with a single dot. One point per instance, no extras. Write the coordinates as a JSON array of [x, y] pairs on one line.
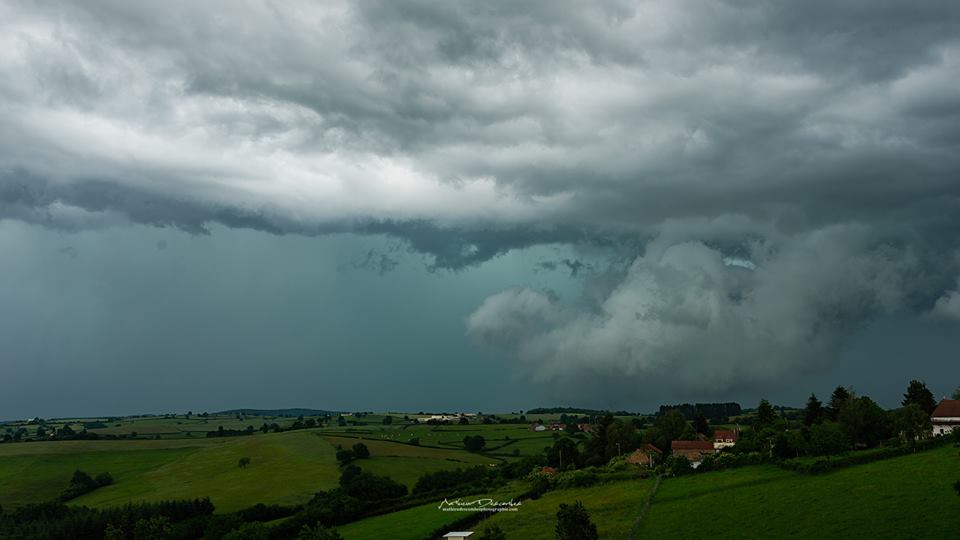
[[905, 497]]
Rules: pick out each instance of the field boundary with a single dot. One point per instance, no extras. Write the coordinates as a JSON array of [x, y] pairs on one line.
[[635, 529]]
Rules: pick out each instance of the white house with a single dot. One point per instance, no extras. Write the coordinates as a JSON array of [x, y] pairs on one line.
[[946, 417], [458, 535]]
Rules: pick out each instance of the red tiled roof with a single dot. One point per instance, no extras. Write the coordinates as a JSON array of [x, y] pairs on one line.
[[726, 434], [651, 448], [691, 445], [947, 408]]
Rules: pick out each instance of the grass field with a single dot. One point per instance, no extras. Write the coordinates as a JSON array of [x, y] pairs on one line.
[[417, 522], [286, 468], [405, 463], [905, 497], [613, 508]]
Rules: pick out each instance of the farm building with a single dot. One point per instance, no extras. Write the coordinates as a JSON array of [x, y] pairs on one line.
[[725, 438], [646, 455], [946, 417], [692, 450]]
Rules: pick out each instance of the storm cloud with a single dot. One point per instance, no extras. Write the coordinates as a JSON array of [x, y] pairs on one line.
[[760, 179]]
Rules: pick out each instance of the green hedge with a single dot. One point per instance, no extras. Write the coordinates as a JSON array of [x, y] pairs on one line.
[[828, 464]]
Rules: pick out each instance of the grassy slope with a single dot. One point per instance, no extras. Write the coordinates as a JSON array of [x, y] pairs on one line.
[[286, 468], [415, 523], [613, 508], [405, 463], [907, 497], [43, 476]]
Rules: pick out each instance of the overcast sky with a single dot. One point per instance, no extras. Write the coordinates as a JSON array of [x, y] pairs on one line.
[[407, 205]]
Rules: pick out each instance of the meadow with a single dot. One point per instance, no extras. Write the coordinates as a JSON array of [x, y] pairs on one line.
[[905, 497], [418, 522]]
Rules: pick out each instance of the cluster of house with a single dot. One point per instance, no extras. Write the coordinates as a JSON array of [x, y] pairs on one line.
[[945, 418], [441, 418], [692, 450], [539, 426]]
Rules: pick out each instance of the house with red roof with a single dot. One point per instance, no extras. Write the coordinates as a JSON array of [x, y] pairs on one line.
[[692, 450], [725, 438], [946, 417], [647, 455]]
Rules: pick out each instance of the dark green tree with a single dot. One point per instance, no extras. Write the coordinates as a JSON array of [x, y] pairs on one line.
[[840, 397], [701, 426], [918, 393], [573, 523], [243, 463], [911, 422], [474, 443], [387, 420], [670, 426], [827, 439], [864, 422], [360, 451], [318, 532], [813, 413], [766, 416]]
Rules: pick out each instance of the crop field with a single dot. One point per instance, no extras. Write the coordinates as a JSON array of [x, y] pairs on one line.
[[905, 497], [417, 522]]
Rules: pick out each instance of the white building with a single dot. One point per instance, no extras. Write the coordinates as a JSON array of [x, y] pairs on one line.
[[458, 535], [946, 417]]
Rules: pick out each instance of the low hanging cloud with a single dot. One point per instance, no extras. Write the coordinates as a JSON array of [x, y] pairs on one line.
[[685, 315]]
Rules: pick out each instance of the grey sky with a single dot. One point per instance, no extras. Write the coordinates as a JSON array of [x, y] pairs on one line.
[[678, 198]]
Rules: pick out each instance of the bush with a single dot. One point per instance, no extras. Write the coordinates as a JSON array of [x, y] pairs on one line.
[[576, 479], [679, 465], [821, 466], [573, 523], [492, 533]]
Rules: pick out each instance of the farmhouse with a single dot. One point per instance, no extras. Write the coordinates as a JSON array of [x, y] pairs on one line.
[[646, 455], [725, 438], [692, 450], [946, 417]]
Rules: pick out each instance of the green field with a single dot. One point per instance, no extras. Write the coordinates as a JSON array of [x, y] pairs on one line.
[[613, 508], [905, 497], [417, 522]]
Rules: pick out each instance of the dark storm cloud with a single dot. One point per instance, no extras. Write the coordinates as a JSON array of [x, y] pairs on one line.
[[721, 149]]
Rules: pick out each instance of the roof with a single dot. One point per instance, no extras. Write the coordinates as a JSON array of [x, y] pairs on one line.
[[456, 534], [691, 445], [948, 408], [650, 448], [726, 434]]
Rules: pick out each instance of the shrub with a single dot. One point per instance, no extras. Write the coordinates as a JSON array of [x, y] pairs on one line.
[[576, 479], [492, 533], [573, 523]]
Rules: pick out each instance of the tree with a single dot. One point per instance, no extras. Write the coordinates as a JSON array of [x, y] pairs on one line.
[[956, 394], [360, 451], [318, 532], [154, 528], [573, 523], [918, 393], [840, 397], [701, 426], [387, 420], [826, 439], [474, 443], [249, 531], [865, 422], [564, 452], [670, 426], [766, 416], [103, 479], [813, 413], [622, 438], [494, 532], [243, 463], [345, 456], [911, 422]]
